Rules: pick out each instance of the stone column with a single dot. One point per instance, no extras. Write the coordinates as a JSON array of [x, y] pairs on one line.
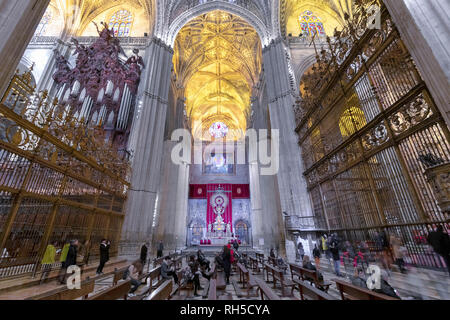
[[281, 89], [423, 26], [146, 165], [19, 20]]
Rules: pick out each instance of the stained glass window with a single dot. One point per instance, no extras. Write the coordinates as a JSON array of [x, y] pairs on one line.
[[121, 23], [311, 24], [218, 130], [42, 27]]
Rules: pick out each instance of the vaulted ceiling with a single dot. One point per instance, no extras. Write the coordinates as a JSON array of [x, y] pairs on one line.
[[217, 60], [77, 14], [331, 12]]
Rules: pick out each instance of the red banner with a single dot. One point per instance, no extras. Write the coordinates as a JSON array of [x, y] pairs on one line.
[[219, 203], [199, 191]]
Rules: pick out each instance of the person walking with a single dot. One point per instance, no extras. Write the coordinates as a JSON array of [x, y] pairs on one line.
[[134, 273], [48, 260], [316, 255], [397, 253], [440, 241], [159, 249], [70, 260], [226, 260], [143, 256], [104, 255]]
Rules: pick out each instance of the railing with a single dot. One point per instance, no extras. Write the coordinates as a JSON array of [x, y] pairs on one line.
[[126, 42], [297, 223], [57, 181]]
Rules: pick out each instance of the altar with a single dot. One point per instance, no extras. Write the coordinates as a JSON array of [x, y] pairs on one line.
[[218, 213]]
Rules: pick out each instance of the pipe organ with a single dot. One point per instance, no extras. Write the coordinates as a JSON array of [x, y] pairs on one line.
[[101, 88]]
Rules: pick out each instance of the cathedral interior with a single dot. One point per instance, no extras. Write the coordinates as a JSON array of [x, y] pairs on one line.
[[224, 150]]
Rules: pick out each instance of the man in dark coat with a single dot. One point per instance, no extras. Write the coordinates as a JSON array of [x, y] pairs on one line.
[[159, 249], [71, 260], [440, 241], [104, 255], [143, 257]]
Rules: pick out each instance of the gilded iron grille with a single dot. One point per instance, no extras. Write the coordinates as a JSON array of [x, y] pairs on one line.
[[367, 104]]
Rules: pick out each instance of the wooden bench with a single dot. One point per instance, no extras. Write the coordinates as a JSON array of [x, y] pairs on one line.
[[264, 290], [272, 261], [246, 279], [86, 287], [119, 291], [312, 277], [260, 258], [255, 265], [154, 274], [279, 275], [163, 292], [349, 291], [157, 262], [310, 292], [212, 290], [118, 275]]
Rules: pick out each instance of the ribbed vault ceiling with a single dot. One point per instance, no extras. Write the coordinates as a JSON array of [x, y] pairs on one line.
[[217, 60]]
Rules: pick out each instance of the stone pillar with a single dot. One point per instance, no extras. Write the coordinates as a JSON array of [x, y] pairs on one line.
[[281, 89], [174, 192], [19, 20], [146, 165], [423, 26]]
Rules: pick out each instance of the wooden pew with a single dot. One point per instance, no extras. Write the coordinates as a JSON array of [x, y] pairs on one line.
[[119, 291], [279, 275], [310, 292], [212, 291], [118, 275], [163, 292], [246, 279], [155, 273], [63, 293], [349, 291], [312, 277], [295, 270], [261, 260], [255, 265], [272, 261], [264, 289]]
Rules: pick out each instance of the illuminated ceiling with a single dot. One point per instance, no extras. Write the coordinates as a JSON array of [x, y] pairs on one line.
[[331, 12], [78, 14], [218, 61]]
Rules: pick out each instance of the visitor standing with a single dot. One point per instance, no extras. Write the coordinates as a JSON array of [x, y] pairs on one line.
[[316, 255], [48, 260], [143, 256], [104, 254], [334, 249], [301, 250], [159, 249], [70, 260], [226, 260]]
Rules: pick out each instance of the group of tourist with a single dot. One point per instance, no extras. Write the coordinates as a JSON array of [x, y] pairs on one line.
[[68, 254]]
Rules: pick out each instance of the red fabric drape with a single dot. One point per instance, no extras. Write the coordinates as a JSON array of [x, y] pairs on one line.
[[197, 191], [228, 215]]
